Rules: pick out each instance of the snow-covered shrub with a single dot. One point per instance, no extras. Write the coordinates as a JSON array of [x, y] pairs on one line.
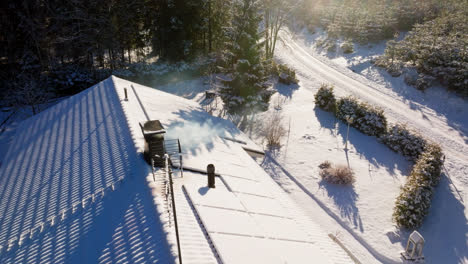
[[339, 174], [331, 46], [325, 98], [366, 118], [407, 142], [285, 74], [319, 43], [372, 121], [410, 79], [70, 77], [347, 47], [414, 201], [325, 165], [273, 130], [424, 82], [395, 69], [436, 49], [348, 109]]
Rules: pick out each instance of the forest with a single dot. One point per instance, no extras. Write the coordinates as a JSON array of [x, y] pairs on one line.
[[52, 48], [436, 43], [55, 48]]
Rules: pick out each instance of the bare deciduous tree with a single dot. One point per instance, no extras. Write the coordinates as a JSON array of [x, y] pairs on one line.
[[28, 93], [273, 129], [276, 12]]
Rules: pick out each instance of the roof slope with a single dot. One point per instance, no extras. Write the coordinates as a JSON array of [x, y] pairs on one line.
[[72, 152]]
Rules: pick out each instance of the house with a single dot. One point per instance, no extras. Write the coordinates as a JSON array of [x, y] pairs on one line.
[[75, 188]]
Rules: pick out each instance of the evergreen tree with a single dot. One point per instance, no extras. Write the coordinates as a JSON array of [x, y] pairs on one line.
[[245, 89]]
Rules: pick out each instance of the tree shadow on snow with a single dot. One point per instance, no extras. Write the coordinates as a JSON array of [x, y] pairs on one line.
[[326, 119], [369, 148], [345, 198], [446, 227], [285, 90]]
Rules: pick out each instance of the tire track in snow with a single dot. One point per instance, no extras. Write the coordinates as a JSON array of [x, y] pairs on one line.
[[429, 124]]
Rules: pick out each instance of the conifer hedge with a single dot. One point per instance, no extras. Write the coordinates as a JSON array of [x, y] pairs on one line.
[[414, 201]]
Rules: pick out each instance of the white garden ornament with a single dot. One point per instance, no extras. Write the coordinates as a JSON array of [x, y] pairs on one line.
[[414, 247]]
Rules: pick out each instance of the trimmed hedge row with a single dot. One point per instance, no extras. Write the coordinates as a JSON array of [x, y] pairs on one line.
[[413, 203], [405, 141], [366, 118]]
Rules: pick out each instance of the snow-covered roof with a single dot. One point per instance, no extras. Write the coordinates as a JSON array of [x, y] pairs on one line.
[[73, 188]]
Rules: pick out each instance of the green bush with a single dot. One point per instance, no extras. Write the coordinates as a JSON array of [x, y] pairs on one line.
[[405, 141], [287, 75], [331, 47], [347, 47], [414, 201], [366, 118], [436, 49], [284, 73], [325, 98]]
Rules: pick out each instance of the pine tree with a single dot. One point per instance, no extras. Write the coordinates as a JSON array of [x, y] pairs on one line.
[[245, 89]]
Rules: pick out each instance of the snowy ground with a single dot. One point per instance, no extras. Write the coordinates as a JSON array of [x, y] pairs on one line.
[[363, 212]]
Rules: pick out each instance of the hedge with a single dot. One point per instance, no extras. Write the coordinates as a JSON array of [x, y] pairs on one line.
[[414, 201], [405, 141], [366, 118]]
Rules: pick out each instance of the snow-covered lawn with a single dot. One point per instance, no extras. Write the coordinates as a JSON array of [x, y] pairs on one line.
[[365, 207]]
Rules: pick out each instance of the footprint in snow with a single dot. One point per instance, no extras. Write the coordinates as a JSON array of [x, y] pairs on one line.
[[308, 136]]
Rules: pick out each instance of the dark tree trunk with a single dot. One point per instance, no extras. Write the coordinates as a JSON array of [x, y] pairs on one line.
[[210, 36], [129, 56], [111, 59]]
